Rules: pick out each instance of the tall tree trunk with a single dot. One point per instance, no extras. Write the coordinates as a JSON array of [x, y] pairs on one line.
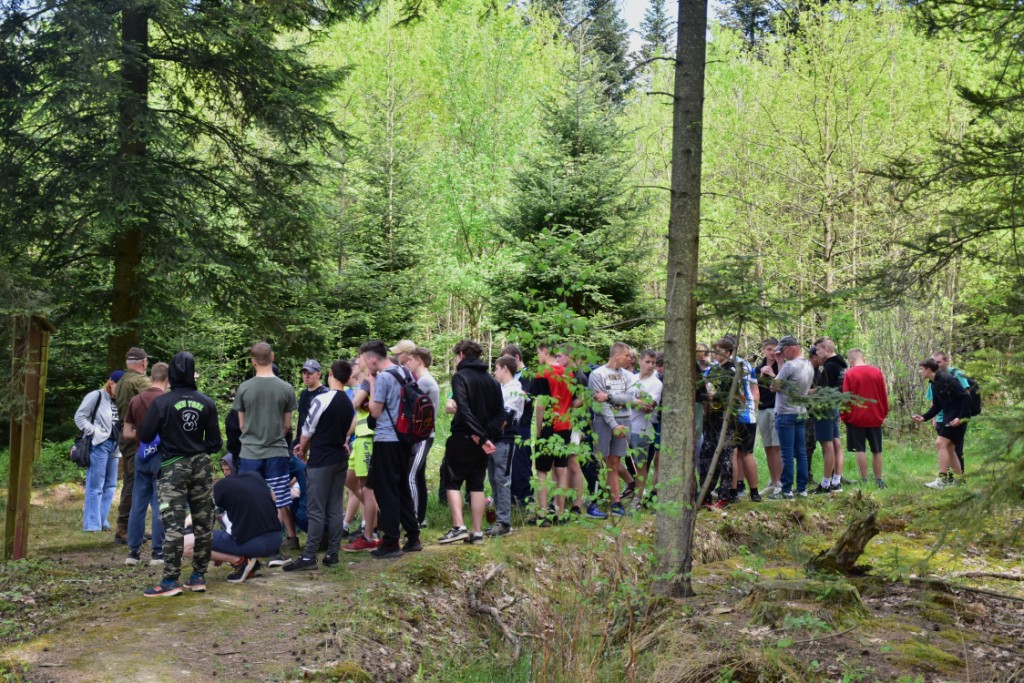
[[126, 304], [674, 531]]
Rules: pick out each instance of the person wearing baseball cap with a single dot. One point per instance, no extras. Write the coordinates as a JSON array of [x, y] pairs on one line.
[[131, 384], [792, 382], [403, 350]]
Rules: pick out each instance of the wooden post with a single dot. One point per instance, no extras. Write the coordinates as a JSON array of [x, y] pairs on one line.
[[29, 361]]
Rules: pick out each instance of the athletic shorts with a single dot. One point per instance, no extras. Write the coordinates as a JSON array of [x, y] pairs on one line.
[[606, 444], [464, 461], [745, 436], [827, 428], [552, 449], [266, 544], [275, 472], [766, 427], [362, 449], [859, 437], [954, 434], [641, 448]]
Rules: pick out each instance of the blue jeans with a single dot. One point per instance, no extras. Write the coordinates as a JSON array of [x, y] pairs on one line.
[[145, 496], [791, 431], [100, 482]]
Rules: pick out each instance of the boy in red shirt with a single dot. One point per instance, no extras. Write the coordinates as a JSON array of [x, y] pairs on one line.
[[864, 422], [553, 404]]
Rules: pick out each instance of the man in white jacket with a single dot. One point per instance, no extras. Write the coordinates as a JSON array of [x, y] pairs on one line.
[[97, 417]]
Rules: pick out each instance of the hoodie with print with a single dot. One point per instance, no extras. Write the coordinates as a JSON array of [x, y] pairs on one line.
[[184, 418]]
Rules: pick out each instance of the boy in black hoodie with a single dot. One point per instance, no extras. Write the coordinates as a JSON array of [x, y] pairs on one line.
[[186, 422], [478, 420]]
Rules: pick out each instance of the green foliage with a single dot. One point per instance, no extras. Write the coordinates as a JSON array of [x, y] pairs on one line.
[[571, 214], [53, 466]]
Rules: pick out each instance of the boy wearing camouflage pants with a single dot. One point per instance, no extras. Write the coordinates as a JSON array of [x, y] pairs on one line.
[[186, 422]]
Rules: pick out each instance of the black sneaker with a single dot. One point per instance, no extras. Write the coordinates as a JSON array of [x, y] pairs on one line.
[[243, 570], [576, 511], [755, 497], [628, 491], [475, 538], [385, 551], [133, 558], [331, 559], [456, 533], [279, 560], [300, 563], [499, 529], [821, 490], [837, 488], [412, 546], [196, 583]]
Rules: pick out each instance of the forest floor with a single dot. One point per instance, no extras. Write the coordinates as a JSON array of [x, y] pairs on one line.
[[572, 599]]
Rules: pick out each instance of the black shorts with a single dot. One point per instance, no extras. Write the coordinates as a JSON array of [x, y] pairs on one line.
[[552, 449], [958, 444], [859, 437], [464, 462], [745, 436], [954, 434]]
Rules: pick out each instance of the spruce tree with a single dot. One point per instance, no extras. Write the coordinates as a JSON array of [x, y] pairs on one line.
[[658, 31], [154, 150], [607, 34], [572, 214]]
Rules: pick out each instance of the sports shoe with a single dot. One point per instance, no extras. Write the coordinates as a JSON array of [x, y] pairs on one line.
[[780, 495], [618, 510], [721, 504], [741, 493], [939, 483], [595, 512], [637, 504], [475, 538], [360, 544], [196, 583], [575, 511], [300, 563], [423, 525], [837, 488], [755, 497], [628, 491], [544, 522], [775, 489], [802, 494], [279, 560], [880, 484], [133, 558], [119, 539], [157, 561], [331, 559], [820, 490], [412, 546], [386, 552], [499, 529], [346, 532], [243, 570], [165, 588], [456, 533]]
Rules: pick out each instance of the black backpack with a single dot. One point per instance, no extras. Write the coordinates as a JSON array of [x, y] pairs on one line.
[[416, 415], [974, 392]]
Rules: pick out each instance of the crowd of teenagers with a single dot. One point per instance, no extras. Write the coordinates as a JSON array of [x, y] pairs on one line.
[[559, 441]]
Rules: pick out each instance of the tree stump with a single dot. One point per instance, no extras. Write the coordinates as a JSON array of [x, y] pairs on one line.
[[841, 558]]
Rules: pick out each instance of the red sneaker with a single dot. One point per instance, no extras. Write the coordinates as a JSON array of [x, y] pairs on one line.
[[360, 545]]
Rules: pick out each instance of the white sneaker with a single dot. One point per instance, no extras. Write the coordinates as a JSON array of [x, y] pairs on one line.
[[939, 483], [777, 489]]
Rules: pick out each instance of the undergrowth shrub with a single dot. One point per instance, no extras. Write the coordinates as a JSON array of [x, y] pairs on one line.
[[53, 466]]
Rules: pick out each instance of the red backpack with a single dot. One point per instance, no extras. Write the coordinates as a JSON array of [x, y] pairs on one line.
[[416, 414]]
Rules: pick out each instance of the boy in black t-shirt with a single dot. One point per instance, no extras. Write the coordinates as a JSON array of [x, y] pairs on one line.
[[245, 505], [325, 435]]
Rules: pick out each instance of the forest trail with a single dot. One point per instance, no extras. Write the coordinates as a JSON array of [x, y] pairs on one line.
[[251, 631]]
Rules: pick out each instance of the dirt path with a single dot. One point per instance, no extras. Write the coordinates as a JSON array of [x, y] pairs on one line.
[[255, 631]]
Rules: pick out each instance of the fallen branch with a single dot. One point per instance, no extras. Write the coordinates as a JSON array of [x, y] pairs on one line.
[[824, 637], [841, 558], [950, 587], [229, 652], [493, 612], [48, 665], [989, 575]]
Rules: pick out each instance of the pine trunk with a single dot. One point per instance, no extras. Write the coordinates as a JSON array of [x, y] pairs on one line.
[[675, 529], [125, 304]]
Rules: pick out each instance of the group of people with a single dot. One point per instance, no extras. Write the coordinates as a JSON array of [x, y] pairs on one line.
[[543, 437]]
